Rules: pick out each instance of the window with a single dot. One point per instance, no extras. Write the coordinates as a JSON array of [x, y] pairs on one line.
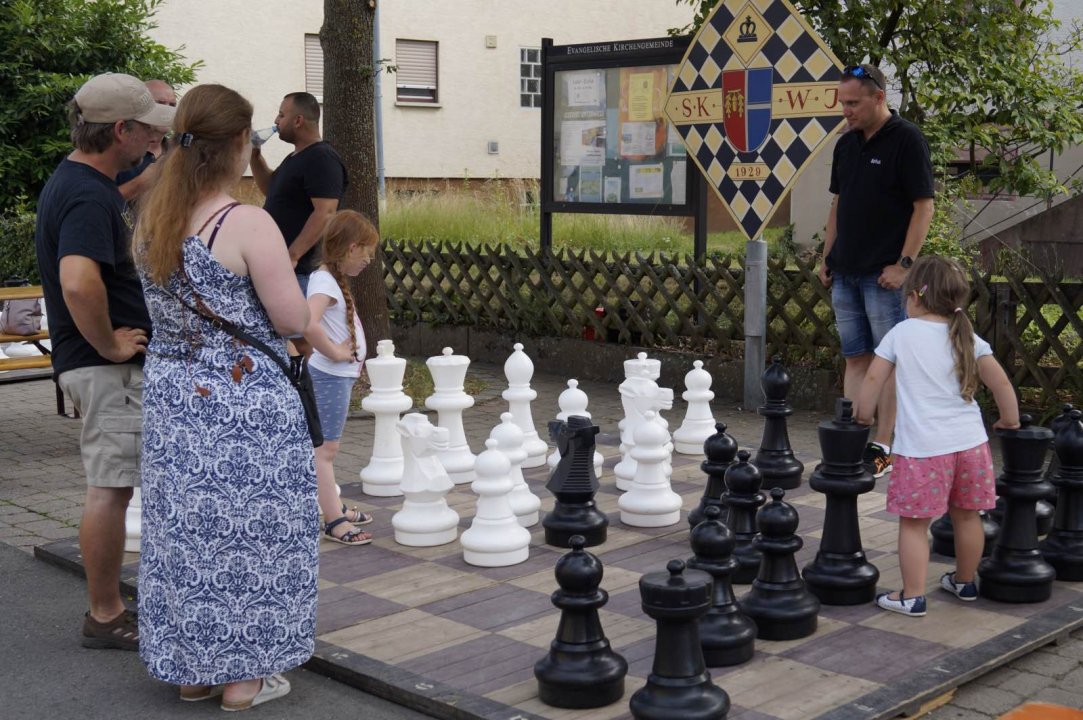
[[530, 77], [314, 66], [415, 79]]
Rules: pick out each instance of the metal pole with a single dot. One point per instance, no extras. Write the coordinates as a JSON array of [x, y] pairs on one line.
[[755, 321], [379, 118]]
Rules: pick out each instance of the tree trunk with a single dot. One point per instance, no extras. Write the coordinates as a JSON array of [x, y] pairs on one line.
[[349, 124]]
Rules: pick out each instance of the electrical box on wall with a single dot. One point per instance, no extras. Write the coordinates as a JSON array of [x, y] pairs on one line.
[[490, 41], [494, 147]]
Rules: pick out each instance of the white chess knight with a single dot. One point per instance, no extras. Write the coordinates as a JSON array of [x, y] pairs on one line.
[[425, 518], [382, 476], [650, 501], [519, 369], [640, 395], [573, 401], [698, 422], [509, 439], [495, 538], [133, 522], [449, 400]]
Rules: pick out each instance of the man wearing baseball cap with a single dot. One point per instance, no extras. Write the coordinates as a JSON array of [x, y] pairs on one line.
[[98, 324]]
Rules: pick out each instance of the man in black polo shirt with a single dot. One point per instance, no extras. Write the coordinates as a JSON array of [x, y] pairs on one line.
[[98, 324], [882, 180]]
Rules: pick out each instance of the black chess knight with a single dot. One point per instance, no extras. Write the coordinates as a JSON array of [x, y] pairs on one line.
[[1063, 547], [573, 484]]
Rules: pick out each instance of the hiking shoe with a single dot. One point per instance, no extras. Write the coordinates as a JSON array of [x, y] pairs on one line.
[[967, 592], [914, 607], [120, 633], [877, 462]]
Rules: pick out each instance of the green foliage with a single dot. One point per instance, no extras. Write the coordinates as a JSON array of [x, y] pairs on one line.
[[17, 258], [48, 49], [981, 77]]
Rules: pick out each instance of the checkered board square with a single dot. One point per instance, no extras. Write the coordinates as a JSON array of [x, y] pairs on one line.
[[753, 183], [422, 627]]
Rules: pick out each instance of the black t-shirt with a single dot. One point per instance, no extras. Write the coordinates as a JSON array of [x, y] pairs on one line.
[[877, 183], [127, 175], [81, 212], [315, 172]]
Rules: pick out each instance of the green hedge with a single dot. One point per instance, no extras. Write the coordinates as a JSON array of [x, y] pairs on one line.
[[17, 257]]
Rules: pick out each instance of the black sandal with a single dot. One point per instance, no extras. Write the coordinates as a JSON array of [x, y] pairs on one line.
[[353, 537], [363, 518]]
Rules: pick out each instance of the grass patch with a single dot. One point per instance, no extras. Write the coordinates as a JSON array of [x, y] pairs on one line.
[[416, 383]]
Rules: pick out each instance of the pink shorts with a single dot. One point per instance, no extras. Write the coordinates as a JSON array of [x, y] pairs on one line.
[[925, 487]]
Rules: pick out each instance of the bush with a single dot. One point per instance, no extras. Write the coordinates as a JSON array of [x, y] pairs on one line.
[[17, 256]]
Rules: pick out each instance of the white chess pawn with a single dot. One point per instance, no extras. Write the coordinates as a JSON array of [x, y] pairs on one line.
[[133, 522], [381, 477], [449, 400], [519, 369], [495, 538], [425, 518], [650, 501], [509, 439], [698, 422], [573, 401]]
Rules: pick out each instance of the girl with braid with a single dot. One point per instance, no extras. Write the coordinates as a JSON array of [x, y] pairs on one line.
[[942, 457], [338, 342]]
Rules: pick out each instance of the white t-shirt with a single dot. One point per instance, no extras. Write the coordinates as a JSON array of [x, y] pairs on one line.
[[321, 282], [932, 418]]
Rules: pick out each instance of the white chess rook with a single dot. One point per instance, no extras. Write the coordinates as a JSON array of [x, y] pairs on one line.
[[519, 369], [495, 538], [449, 400], [382, 476], [425, 518], [573, 401], [698, 422], [509, 439], [650, 501]]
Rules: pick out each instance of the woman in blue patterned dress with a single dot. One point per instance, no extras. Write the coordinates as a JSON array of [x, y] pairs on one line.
[[227, 577]]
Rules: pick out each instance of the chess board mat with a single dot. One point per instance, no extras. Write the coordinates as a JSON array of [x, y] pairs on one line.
[[424, 629]]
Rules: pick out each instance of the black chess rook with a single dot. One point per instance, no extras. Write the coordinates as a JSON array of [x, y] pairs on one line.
[[1063, 547], [742, 498], [581, 670], [573, 485], [679, 685], [1015, 571], [775, 458], [721, 452]]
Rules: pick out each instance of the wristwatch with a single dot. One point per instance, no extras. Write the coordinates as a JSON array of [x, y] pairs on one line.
[[905, 262]]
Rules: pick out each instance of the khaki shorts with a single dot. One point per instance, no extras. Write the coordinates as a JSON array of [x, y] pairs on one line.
[[110, 399]]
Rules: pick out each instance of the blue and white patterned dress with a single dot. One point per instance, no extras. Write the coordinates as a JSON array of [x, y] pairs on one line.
[[227, 577]]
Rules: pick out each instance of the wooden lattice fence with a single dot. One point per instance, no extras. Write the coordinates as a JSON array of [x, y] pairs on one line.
[[665, 301]]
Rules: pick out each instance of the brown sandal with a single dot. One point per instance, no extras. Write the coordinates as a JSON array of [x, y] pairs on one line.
[[120, 633]]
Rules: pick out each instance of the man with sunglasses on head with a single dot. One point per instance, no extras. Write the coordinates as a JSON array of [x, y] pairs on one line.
[[882, 182]]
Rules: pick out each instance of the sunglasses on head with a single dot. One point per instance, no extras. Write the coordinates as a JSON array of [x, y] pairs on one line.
[[861, 73]]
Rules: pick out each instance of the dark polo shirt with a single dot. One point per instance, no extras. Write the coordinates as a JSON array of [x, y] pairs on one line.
[[877, 183]]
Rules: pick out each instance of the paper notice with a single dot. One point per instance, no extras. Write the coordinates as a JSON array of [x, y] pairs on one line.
[[645, 181], [582, 142], [585, 88], [641, 97], [637, 138], [677, 177], [590, 184], [612, 189]]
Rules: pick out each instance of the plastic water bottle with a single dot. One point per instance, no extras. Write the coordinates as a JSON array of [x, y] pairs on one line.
[[261, 136]]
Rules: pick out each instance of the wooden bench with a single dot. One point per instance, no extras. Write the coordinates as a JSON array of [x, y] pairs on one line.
[[28, 292]]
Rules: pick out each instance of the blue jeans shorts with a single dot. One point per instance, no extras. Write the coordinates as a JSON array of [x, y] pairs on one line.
[[332, 401], [864, 312]]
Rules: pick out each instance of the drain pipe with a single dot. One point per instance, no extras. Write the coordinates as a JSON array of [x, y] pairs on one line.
[[379, 112]]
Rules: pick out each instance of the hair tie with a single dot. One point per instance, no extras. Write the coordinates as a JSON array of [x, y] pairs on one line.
[[958, 309], [186, 139]]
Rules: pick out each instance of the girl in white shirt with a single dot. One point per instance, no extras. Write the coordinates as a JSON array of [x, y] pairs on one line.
[[942, 458], [338, 341]]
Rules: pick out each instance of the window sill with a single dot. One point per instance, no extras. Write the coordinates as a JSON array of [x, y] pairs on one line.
[[404, 103]]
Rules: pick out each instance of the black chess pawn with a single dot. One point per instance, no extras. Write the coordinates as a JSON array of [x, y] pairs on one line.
[[1015, 571], [720, 449], [944, 534], [573, 484], [742, 498], [581, 669], [1063, 546], [775, 459], [679, 685], [779, 603], [841, 574], [727, 635]]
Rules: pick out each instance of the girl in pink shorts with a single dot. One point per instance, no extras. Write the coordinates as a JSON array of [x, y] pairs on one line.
[[942, 457]]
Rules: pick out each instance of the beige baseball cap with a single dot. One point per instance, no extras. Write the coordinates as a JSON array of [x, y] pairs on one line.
[[112, 97]]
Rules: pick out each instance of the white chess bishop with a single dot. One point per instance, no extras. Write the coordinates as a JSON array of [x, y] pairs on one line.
[[519, 369], [509, 439], [449, 400], [495, 538], [425, 518], [573, 401], [382, 476], [698, 422], [650, 501]]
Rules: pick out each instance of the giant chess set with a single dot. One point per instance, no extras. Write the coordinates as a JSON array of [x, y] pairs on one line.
[[650, 573]]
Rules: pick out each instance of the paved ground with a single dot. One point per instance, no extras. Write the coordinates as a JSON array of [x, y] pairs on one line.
[[41, 490]]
